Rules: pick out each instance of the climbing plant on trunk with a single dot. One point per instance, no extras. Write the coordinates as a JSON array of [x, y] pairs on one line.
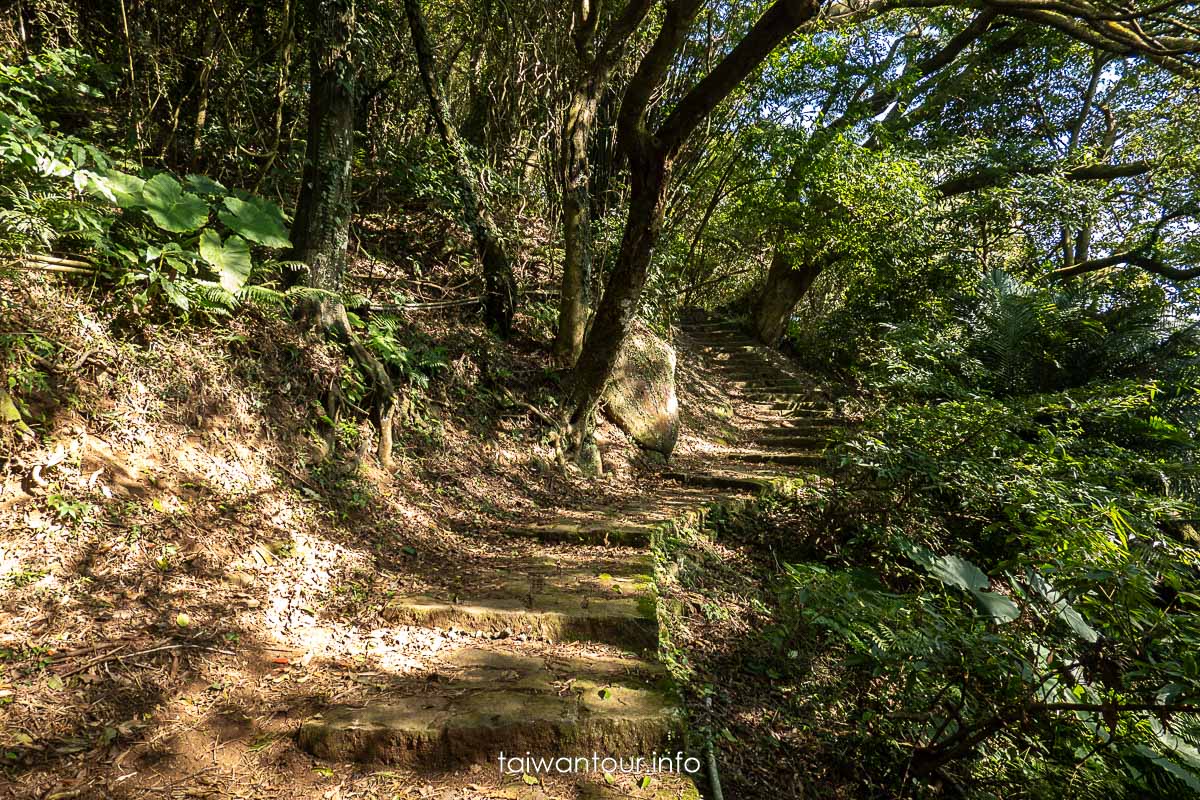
[[321, 229], [500, 288], [594, 65]]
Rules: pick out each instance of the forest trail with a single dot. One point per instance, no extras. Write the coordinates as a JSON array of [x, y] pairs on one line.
[[564, 661]]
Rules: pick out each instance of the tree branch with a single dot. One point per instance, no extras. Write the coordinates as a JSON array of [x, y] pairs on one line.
[[1134, 258], [992, 176], [776, 24]]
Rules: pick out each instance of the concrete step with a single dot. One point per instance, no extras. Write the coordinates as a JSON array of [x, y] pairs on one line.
[[507, 700], [605, 600]]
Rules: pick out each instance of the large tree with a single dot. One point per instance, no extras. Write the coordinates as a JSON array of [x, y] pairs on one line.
[[595, 59], [651, 151], [321, 229]]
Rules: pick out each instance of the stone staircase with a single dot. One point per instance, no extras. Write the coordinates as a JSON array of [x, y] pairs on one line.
[[562, 654]]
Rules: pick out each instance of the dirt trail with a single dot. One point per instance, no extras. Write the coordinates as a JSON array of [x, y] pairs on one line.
[[535, 637]]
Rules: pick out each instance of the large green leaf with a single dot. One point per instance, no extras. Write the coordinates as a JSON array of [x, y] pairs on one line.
[[951, 570], [202, 184], [955, 571], [258, 220], [118, 187], [171, 208], [1065, 610], [230, 260], [998, 606]]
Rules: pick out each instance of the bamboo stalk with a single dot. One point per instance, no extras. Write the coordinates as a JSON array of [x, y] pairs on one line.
[[43, 267], [62, 262]]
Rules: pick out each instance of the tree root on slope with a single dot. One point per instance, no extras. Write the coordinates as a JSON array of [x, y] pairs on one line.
[[330, 316]]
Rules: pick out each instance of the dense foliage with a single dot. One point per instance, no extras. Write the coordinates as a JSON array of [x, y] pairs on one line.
[[1012, 593]]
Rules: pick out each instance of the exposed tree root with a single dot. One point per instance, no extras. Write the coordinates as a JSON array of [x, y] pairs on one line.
[[330, 315]]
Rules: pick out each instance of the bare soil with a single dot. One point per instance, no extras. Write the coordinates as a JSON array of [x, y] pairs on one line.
[[183, 579]]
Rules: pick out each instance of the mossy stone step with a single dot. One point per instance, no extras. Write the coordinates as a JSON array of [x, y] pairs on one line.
[[614, 532], [787, 440], [728, 480], [511, 703], [605, 601], [666, 787], [810, 459]]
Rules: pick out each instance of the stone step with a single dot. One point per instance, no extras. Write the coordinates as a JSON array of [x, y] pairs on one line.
[[765, 373], [777, 390], [507, 700], [629, 526], [722, 359], [668, 786], [782, 404], [787, 440], [774, 384], [605, 600], [712, 325], [808, 459], [797, 407], [815, 424], [709, 342], [714, 328], [728, 480], [732, 348], [607, 533]]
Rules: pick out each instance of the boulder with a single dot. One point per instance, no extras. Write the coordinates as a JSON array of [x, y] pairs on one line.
[[640, 396]]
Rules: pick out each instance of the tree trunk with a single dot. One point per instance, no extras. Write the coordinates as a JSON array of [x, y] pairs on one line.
[[649, 178], [595, 65], [786, 285], [575, 296], [210, 51], [321, 229], [650, 155], [500, 288]]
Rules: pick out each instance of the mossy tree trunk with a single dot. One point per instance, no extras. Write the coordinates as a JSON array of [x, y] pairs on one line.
[[500, 288], [787, 283], [595, 63], [575, 300], [321, 229]]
